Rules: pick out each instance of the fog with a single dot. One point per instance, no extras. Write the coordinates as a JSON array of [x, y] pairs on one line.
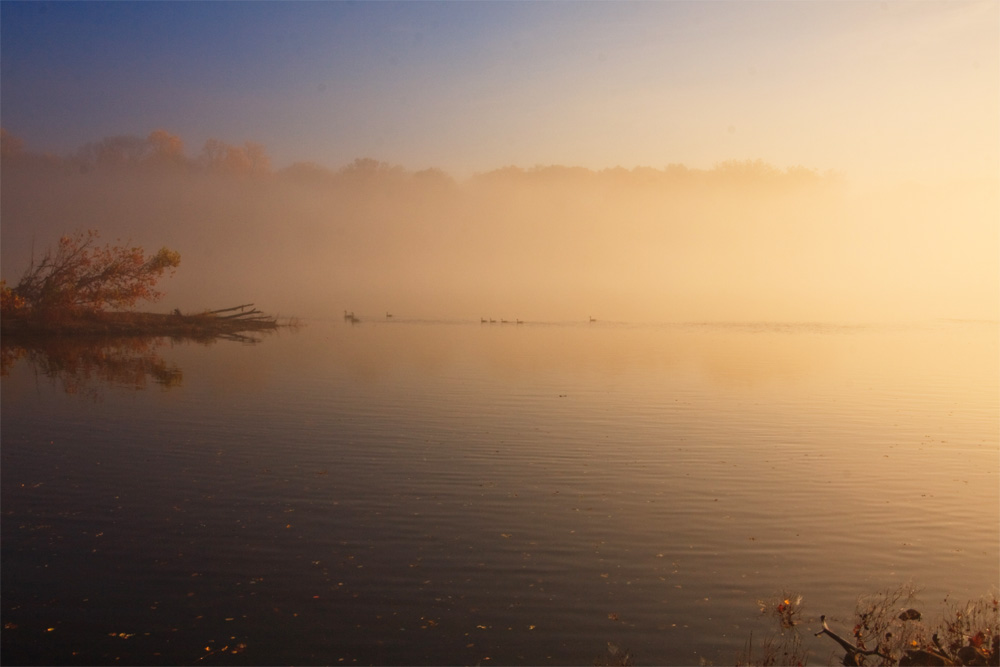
[[740, 241]]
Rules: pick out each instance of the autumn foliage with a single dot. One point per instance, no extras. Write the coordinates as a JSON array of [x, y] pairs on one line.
[[80, 275]]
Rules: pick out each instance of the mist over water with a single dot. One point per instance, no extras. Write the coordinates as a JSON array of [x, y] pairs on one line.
[[743, 260], [745, 241], [401, 492]]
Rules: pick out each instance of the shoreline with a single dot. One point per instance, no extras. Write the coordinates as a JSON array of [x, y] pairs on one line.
[[125, 324]]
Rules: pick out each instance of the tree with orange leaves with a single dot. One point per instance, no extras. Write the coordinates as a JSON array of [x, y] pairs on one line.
[[82, 276]]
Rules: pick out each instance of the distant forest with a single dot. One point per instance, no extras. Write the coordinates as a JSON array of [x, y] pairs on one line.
[[741, 240], [162, 151]]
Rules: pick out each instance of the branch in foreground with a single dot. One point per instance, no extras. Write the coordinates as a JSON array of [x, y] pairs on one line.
[[854, 654]]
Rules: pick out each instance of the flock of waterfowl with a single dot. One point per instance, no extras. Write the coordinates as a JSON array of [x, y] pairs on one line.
[[349, 316]]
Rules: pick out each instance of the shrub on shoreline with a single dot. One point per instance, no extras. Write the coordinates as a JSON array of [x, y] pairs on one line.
[[888, 630]]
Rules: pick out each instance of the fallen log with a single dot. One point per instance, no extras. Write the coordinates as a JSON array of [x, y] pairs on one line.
[[245, 314], [226, 310]]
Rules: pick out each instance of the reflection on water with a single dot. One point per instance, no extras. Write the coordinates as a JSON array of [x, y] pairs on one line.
[[81, 365], [426, 493]]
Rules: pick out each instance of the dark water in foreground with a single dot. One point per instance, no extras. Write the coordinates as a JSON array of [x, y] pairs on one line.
[[452, 493]]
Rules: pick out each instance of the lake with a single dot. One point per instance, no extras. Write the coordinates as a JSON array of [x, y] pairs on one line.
[[422, 492]]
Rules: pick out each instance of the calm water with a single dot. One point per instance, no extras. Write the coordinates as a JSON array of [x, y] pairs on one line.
[[457, 493]]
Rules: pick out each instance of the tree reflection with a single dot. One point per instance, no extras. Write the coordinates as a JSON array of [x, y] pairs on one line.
[[80, 365]]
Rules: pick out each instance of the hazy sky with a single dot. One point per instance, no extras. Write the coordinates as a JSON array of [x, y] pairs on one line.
[[902, 89], [900, 101]]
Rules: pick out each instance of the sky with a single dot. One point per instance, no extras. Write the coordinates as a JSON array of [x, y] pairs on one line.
[[871, 89], [892, 109]]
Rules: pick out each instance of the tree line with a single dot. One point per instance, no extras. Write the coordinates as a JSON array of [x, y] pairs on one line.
[[161, 151]]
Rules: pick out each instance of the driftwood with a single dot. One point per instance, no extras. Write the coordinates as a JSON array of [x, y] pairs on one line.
[[226, 310], [854, 655], [233, 325], [202, 325], [923, 657], [252, 315], [244, 315]]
